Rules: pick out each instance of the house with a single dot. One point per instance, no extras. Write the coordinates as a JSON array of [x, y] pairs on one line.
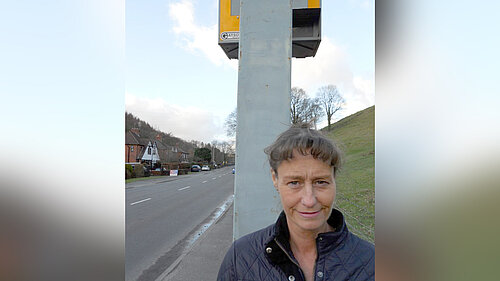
[[140, 150], [171, 154], [183, 156], [150, 154], [180, 155], [133, 146], [152, 151]]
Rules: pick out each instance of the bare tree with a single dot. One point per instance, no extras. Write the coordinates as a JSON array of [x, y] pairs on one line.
[[214, 149], [298, 99], [196, 144], [231, 123], [313, 111], [331, 100], [225, 148], [304, 109]]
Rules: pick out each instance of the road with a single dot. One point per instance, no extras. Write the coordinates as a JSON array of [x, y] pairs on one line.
[[162, 214]]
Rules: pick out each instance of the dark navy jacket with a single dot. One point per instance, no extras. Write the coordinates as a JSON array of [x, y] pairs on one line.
[[265, 255]]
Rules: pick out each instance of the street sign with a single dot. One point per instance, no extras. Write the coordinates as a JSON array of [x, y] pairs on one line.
[[306, 27]]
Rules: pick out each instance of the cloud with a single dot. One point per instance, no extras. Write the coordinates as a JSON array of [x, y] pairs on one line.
[[196, 38], [186, 122], [331, 66]]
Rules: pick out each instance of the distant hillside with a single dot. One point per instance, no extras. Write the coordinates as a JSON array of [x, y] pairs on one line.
[[147, 131], [355, 136]]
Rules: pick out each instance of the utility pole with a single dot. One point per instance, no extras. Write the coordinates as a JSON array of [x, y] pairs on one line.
[[264, 78], [263, 35]]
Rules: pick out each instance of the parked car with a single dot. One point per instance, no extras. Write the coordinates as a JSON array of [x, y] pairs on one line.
[[205, 168], [195, 168]]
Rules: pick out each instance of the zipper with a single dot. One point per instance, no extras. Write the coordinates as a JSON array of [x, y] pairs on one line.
[[290, 258]]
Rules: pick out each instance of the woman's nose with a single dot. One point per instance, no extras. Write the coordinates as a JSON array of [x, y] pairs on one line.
[[308, 197]]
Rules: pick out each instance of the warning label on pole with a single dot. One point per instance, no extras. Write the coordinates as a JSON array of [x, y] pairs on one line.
[[231, 35]]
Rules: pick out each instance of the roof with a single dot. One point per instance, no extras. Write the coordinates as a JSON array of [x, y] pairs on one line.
[[164, 150], [132, 138], [141, 152], [145, 147], [161, 146]]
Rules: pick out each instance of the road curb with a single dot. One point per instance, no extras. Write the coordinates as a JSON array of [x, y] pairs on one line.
[[165, 275]]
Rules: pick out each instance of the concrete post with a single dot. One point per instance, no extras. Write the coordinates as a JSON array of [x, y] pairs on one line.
[[264, 78]]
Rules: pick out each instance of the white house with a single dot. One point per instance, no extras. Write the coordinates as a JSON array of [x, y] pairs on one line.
[[151, 153]]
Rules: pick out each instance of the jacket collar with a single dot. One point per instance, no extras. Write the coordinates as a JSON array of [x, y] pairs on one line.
[[325, 241]]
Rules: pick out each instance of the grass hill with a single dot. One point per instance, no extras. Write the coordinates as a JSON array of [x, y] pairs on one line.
[[355, 136]]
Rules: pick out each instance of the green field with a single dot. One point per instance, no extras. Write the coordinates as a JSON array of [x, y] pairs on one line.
[[355, 136]]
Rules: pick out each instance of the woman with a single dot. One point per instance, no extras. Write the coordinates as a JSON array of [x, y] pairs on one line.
[[310, 240]]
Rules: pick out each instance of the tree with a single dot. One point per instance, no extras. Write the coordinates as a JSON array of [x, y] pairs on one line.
[[331, 100], [196, 143], [203, 153], [231, 123], [223, 148], [313, 111], [302, 108], [216, 151], [297, 103]]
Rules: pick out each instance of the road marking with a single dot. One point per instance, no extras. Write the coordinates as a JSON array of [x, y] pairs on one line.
[[204, 181], [184, 188], [140, 201], [214, 178]]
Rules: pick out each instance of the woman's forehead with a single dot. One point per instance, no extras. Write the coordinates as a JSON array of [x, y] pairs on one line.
[[298, 157], [304, 165]]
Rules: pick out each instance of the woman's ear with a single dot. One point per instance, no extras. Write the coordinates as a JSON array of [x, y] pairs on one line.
[[274, 178]]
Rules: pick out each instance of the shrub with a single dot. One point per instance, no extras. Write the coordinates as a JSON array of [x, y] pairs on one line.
[[139, 170], [129, 171], [129, 168]]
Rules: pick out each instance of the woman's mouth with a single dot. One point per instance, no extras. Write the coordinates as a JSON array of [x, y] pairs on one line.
[[309, 214]]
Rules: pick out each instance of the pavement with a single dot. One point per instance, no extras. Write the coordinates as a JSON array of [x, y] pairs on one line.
[[203, 259]]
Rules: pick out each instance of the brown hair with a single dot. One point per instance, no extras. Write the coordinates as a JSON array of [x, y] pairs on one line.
[[302, 138]]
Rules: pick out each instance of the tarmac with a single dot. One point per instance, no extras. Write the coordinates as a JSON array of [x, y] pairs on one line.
[[203, 259], [151, 180]]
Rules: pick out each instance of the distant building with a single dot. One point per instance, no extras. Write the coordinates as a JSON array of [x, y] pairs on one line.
[[150, 154], [151, 151], [133, 146]]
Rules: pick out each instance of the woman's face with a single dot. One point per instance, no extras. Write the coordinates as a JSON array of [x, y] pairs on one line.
[[307, 190]]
